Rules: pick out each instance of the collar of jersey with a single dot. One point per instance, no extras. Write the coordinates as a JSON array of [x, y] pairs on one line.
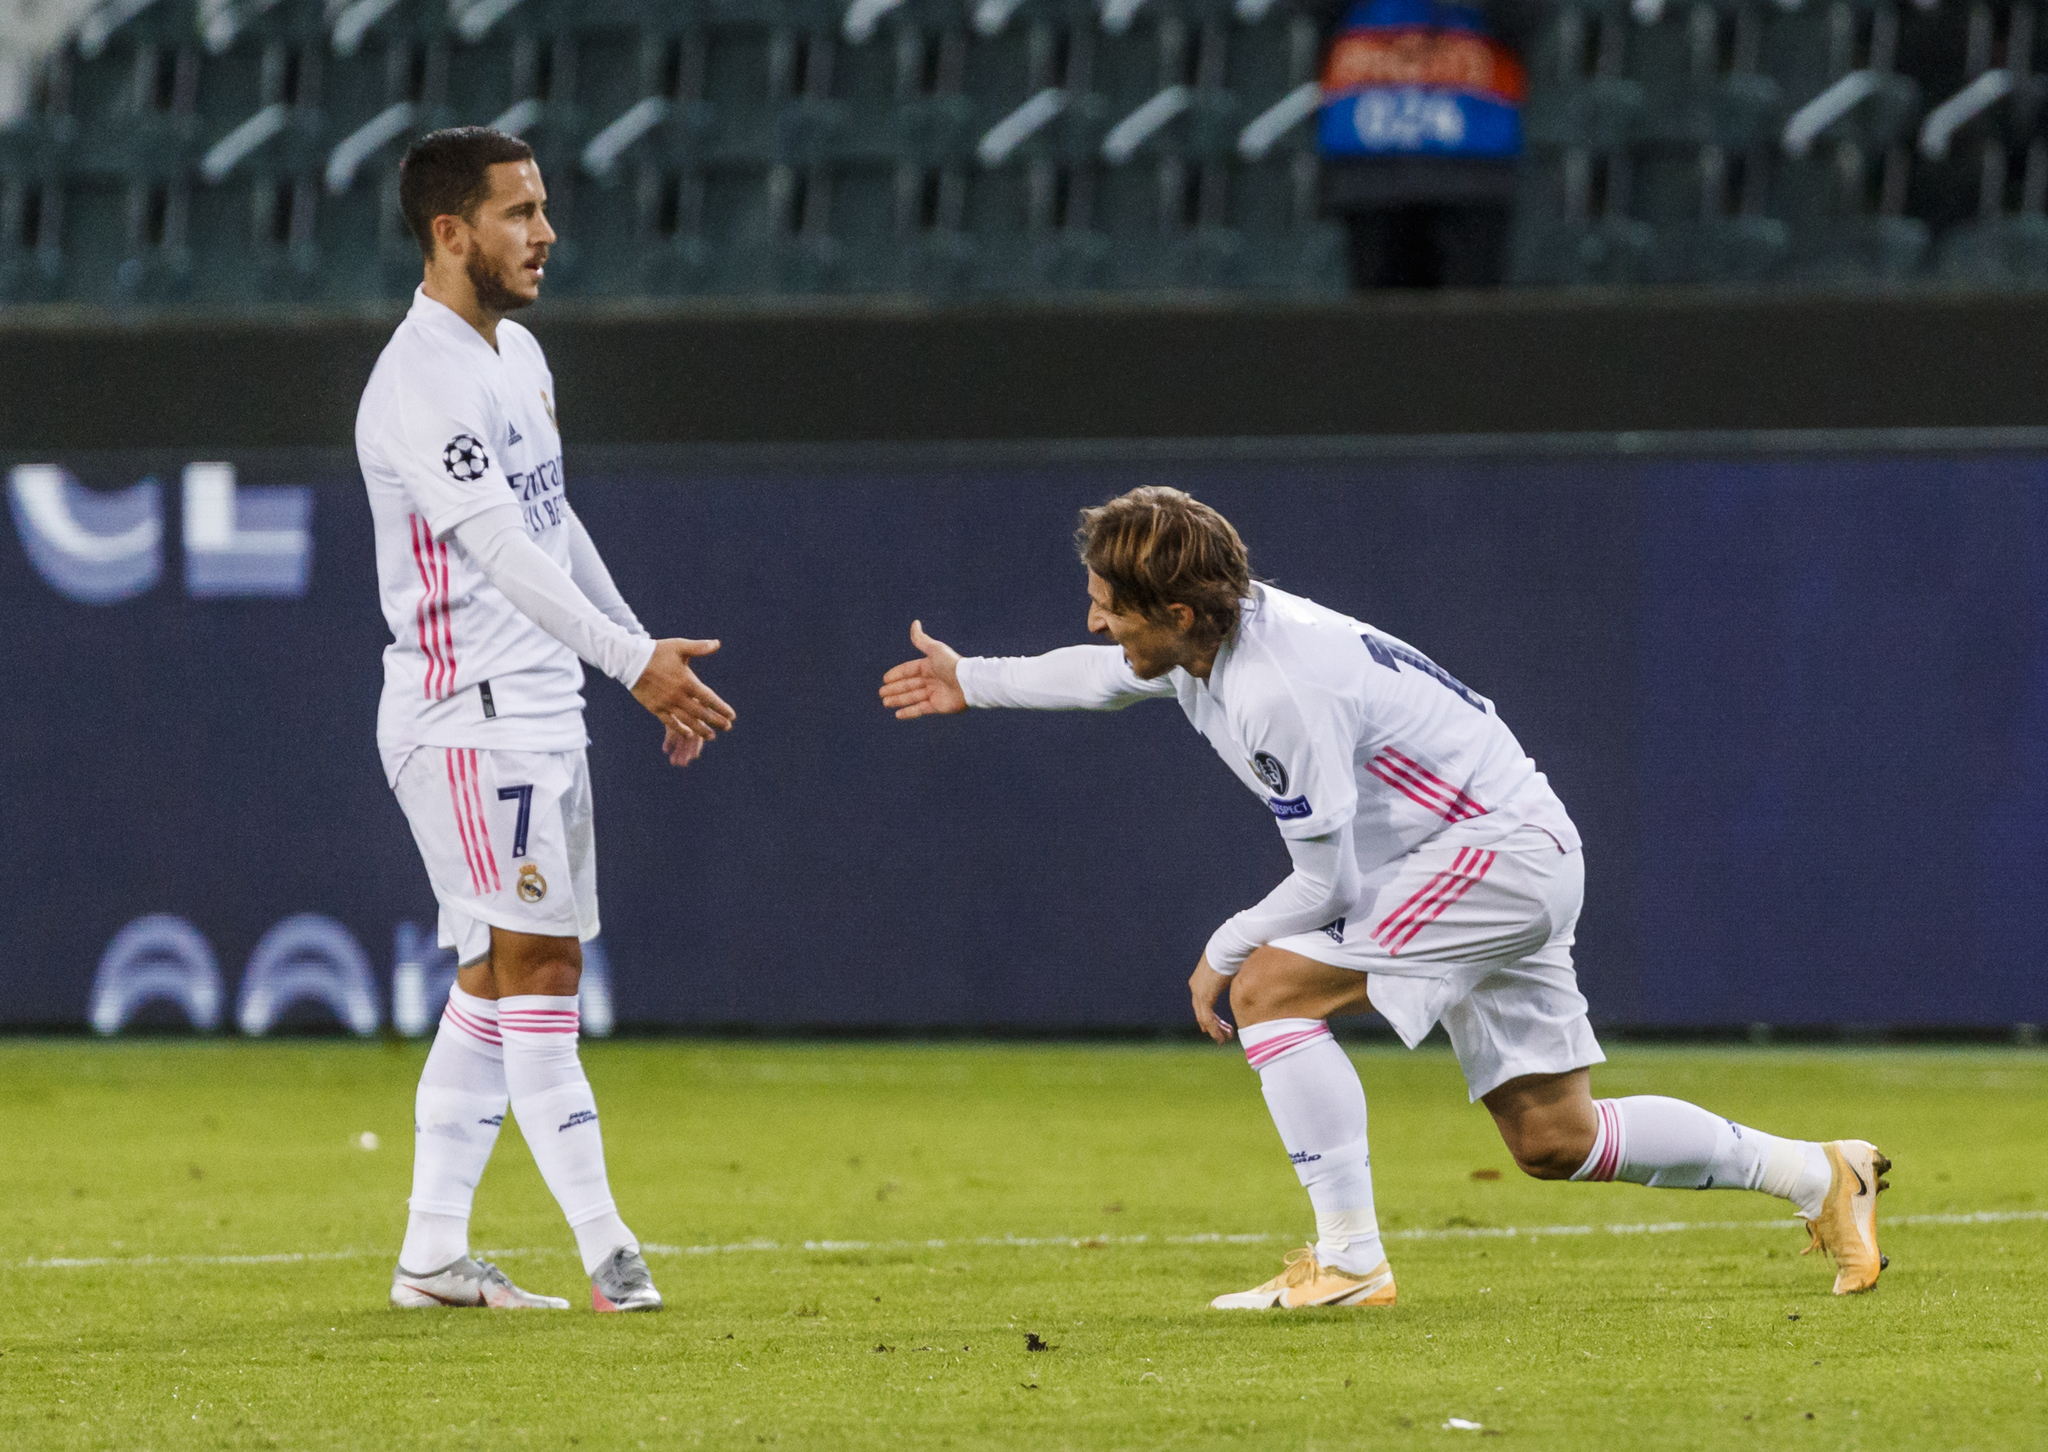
[[438, 315]]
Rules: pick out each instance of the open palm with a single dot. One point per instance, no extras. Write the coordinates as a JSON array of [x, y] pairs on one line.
[[927, 686]]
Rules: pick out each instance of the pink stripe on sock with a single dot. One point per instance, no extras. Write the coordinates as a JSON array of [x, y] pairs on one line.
[[475, 1027], [1610, 1140], [539, 1021], [1259, 1055]]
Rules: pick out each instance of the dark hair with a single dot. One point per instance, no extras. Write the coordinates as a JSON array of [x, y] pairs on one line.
[[1158, 547], [447, 173]]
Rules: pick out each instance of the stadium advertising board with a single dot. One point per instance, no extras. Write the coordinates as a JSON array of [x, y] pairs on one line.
[[1797, 705]]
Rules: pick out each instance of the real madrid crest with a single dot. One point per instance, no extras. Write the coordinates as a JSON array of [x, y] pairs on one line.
[[532, 886]]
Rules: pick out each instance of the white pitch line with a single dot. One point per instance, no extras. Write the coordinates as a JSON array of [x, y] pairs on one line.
[[1029, 1242]]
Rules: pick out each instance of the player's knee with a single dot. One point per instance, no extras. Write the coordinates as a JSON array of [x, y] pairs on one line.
[[1254, 996], [1547, 1167], [549, 966], [1545, 1151]]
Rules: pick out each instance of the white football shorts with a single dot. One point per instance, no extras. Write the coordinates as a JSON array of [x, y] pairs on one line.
[[1478, 938], [508, 842]]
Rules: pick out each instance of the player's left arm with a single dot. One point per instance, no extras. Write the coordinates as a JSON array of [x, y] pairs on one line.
[[587, 569], [1300, 744], [942, 682], [1322, 888]]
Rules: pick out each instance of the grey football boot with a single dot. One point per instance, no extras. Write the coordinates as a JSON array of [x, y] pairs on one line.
[[466, 1282], [623, 1283]]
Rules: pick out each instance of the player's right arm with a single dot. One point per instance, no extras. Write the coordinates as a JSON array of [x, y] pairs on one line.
[[1075, 678]]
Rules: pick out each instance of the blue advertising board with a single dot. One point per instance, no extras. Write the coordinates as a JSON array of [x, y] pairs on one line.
[[1798, 706]]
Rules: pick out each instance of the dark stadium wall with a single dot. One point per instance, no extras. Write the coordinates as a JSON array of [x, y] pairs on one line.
[[1528, 361], [1798, 705]]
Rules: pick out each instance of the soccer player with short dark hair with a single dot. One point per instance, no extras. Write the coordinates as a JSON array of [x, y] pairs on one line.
[[1437, 879], [493, 591]]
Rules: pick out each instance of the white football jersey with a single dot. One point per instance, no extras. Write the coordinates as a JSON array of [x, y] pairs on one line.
[[1329, 721], [1332, 721], [449, 427]]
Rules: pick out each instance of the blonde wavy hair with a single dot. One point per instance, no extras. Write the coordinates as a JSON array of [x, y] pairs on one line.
[[1156, 547]]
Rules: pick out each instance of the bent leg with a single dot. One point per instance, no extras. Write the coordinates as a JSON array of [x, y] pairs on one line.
[[1547, 1121], [1274, 983], [1556, 1130], [1280, 1000]]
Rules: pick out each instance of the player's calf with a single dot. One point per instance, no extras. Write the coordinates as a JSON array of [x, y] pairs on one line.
[[1663, 1143]]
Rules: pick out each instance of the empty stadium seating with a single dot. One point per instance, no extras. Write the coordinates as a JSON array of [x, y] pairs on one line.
[[242, 153], [1832, 143]]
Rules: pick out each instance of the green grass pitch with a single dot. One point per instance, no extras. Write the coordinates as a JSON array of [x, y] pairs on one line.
[[856, 1240]]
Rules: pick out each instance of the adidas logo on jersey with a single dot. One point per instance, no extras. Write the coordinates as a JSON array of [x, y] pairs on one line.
[[515, 438]]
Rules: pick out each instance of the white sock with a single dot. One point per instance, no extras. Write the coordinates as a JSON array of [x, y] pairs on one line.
[[456, 1115], [558, 1115], [1670, 1144], [1318, 1106]]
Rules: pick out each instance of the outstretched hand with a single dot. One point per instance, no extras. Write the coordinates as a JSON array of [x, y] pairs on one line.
[[927, 686], [689, 711]]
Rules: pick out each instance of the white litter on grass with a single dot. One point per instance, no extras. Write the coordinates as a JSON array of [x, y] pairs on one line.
[[367, 1140], [1459, 1424], [1019, 1242]]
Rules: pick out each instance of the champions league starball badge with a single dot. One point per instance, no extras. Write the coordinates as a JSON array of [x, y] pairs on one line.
[[1270, 771], [464, 458]]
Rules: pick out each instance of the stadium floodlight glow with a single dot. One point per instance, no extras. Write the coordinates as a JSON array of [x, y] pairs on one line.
[[307, 956], [156, 958], [594, 992], [100, 548], [89, 546], [421, 974], [245, 541]]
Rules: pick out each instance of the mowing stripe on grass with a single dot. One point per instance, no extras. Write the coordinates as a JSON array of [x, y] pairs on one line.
[[1027, 1242]]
